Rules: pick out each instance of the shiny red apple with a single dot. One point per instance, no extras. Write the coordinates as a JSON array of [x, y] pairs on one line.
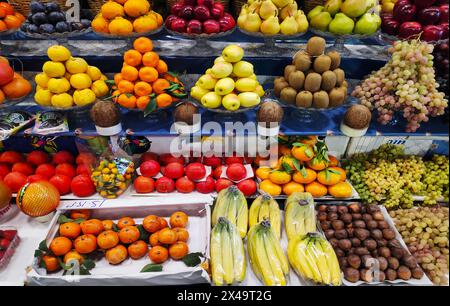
[[390, 26], [187, 13], [179, 25], [444, 13], [445, 29], [169, 21], [176, 8], [227, 22], [432, 33], [217, 11], [211, 26], [409, 29], [208, 3], [404, 11], [429, 15], [194, 27], [201, 13]]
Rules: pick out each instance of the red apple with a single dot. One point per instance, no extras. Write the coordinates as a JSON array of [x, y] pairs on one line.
[[223, 183], [390, 26], [236, 172], [247, 187], [195, 171], [208, 3], [432, 33], [409, 29], [176, 8], [211, 26], [189, 2], [206, 186], [227, 23], [445, 29], [404, 11], [217, 11], [194, 27], [169, 21], [187, 13], [429, 15], [201, 13], [444, 13]]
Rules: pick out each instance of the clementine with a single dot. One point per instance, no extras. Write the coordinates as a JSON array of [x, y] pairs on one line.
[[137, 249], [158, 254], [179, 219], [60, 246]]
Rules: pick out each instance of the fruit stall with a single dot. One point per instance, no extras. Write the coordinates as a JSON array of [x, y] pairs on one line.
[[224, 142]]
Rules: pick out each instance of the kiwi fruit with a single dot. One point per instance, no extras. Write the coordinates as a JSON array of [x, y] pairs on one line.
[[288, 95], [302, 61], [316, 46], [335, 59], [313, 82], [279, 87], [337, 97], [296, 80], [345, 84], [287, 71], [328, 80], [340, 76], [322, 64], [304, 99], [321, 99], [278, 80]]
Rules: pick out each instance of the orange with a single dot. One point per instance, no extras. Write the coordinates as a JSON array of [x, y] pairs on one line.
[[160, 85], [317, 164], [111, 10], [142, 89], [132, 58], [20, 16], [137, 249], [127, 101], [328, 177], [130, 73], [341, 171], [162, 67], [121, 1], [120, 26], [51, 263], [340, 190], [178, 219], [158, 254], [129, 234], [178, 250], [100, 24], [9, 10], [3, 26], [85, 244], [164, 100], [279, 177], [270, 188], [2, 97], [309, 140], [263, 173], [136, 8], [148, 74], [150, 59], [73, 255], [116, 254], [305, 176], [292, 187], [80, 214], [60, 246], [142, 102], [316, 189], [143, 45], [151, 224], [303, 152], [70, 230], [167, 236], [171, 78], [12, 22], [163, 222], [334, 162], [144, 24], [117, 78], [108, 225], [92, 226], [159, 18], [154, 239], [107, 239], [115, 95], [126, 86], [182, 233]]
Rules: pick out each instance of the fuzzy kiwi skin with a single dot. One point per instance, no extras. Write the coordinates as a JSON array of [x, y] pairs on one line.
[[322, 64], [335, 59], [316, 46], [302, 61], [328, 80], [313, 82], [304, 99], [296, 80], [337, 96], [288, 70], [288, 95], [321, 99], [279, 87]]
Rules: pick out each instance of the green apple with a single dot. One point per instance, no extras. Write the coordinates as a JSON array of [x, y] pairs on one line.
[[219, 59], [243, 69], [221, 70], [207, 81], [197, 92], [260, 90], [233, 53], [224, 86], [231, 102], [246, 84], [249, 99], [211, 100]]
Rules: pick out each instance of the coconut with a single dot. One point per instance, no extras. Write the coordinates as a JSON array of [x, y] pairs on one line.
[[358, 117], [268, 112], [106, 117], [185, 113]]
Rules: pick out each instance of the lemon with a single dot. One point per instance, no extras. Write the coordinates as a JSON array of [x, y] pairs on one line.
[[104, 77], [39, 87], [84, 97], [43, 97], [58, 53], [80, 81], [94, 73], [54, 69], [76, 65], [63, 100], [41, 79], [58, 86], [100, 88]]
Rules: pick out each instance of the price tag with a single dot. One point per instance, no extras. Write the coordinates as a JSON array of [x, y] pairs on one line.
[[81, 204]]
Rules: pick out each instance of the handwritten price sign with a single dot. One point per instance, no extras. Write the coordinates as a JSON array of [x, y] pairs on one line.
[[81, 204]]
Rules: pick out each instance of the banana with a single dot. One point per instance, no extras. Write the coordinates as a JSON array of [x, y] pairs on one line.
[[275, 218], [274, 259], [216, 255], [333, 262], [253, 213], [227, 253], [220, 207], [322, 262], [299, 258], [251, 251], [300, 216], [265, 207], [278, 250], [239, 259], [242, 214], [263, 261]]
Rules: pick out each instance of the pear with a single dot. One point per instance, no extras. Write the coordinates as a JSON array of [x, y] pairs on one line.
[[371, 4], [289, 10], [341, 24], [224, 86], [207, 82], [246, 85], [211, 100], [281, 3], [231, 102], [289, 26], [333, 6], [315, 11], [321, 21], [244, 10], [255, 6], [252, 23], [243, 69], [219, 59], [302, 21], [367, 24], [270, 26], [267, 9], [233, 53], [354, 8], [197, 92], [249, 99], [242, 18]]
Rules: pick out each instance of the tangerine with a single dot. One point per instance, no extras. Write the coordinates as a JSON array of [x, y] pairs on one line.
[[164, 100], [142, 102], [162, 67], [340, 190], [51, 263], [142, 89], [182, 233], [341, 172], [270, 188], [148, 74], [334, 162], [73, 254], [144, 24], [292, 187], [117, 78], [60, 246], [137, 249], [136, 8], [100, 24], [129, 73], [70, 230], [107, 239], [129, 234], [132, 58], [80, 214], [163, 222], [151, 223], [279, 177], [108, 225], [150, 59], [178, 250], [92, 226], [303, 152], [12, 22], [111, 10], [125, 221], [120, 26], [154, 239], [116, 254], [125, 86], [160, 85], [85, 244], [167, 236], [328, 177], [127, 100], [179, 219], [143, 45], [305, 176], [158, 254], [316, 189], [317, 164]]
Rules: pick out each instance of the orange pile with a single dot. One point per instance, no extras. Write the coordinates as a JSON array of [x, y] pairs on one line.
[[305, 166], [118, 241], [12, 84], [124, 17], [145, 79], [9, 19]]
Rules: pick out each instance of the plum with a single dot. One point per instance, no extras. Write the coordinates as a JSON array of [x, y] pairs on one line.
[[24, 26], [52, 7], [47, 28], [55, 17], [32, 28], [39, 18], [62, 27], [37, 7], [30, 18]]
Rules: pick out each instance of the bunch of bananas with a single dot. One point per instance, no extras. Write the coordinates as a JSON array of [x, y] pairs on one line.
[[300, 215], [263, 208], [228, 261], [313, 258], [266, 255], [231, 204]]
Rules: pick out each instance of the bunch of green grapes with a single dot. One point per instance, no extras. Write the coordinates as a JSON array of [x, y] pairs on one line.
[[436, 179]]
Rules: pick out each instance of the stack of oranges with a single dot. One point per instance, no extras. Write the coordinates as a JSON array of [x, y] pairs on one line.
[[9, 19], [304, 166], [12, 84], [124, 17], [118, 241], [144, 80]]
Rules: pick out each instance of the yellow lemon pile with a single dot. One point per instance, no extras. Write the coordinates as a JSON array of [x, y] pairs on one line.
[[67, 81]]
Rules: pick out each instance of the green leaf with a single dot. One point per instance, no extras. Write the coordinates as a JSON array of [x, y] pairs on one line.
[[334, 171], [96, 255], [287, 167], [43, 246], [152, 268], [192, 259], [115, 228], [298, 144], [79, 220], [38, 254], [297, 165], [143, 233], [42, 264], [151, 107], [64, 219], [309, 153], [84, 271], [110, 82], [88, 264], [327, 175], [304, 173]]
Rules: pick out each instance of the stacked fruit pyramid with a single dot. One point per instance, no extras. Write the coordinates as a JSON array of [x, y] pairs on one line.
[[272, 17], [304, 165], [67, 81], [230, 83], [12, 84], [144, 81], [9, 19], [125, 17], [314, 79]]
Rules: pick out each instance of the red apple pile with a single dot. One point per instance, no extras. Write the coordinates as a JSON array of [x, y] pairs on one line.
[[67, 173], [413, 17], [198, 17]]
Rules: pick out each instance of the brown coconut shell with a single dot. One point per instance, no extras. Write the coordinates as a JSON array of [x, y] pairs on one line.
[[185, 113], [270, 112], [358, 117], [105, 114]]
